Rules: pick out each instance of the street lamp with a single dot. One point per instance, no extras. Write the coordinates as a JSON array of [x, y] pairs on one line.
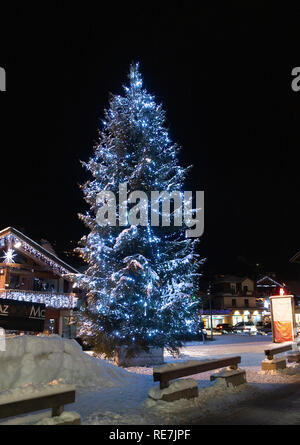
[[210, 312]]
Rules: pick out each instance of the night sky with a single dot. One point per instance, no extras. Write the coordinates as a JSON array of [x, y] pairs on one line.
[[224, 78]]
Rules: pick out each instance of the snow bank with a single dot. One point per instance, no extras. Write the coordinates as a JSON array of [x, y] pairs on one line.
[[213, 396], [42, 359], [30, 391], [66, 416]]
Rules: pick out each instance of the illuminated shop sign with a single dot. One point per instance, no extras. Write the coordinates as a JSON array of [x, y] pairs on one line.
[[22, 316]]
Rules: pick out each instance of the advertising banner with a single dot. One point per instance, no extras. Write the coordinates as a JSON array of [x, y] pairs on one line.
[[282, 310]]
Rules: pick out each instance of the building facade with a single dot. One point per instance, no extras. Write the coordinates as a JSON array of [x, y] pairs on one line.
[[32, 272], [266, 287], [232, 300]]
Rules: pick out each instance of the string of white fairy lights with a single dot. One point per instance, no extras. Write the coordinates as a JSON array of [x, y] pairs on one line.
[[55, 300], [15, 243]]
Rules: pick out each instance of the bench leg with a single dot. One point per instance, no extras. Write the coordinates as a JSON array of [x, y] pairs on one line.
[[234, 367], [164, 384], [57, 410], [233, 377], [273, 365]]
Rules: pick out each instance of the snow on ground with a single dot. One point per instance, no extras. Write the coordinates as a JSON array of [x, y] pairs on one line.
[[106, 394], [177, 385], [213, 396]]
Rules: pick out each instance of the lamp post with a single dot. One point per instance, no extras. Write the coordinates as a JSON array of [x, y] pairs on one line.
[[210, 312]]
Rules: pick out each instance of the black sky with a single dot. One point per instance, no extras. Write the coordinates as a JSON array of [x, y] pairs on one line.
[[224, 78]]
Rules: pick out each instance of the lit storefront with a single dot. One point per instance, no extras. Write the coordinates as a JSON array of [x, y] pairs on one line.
[[217, 317], [241, 315], [232, 316], [237, 317], [256, 317]]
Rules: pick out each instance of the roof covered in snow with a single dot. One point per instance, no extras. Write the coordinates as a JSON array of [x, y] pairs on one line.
[[268, 281], [295, 258], [42, 251]]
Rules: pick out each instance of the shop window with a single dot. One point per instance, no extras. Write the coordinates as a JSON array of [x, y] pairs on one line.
[[14, 282], [66, 286], [44, 285], [256, 318]]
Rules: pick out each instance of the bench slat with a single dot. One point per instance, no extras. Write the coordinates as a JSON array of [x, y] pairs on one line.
[[12, 409], [164, 376], [277, 350]]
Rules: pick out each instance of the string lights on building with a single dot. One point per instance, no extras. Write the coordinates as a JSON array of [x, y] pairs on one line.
[[9, 256], [57, 300], [12, 244], [13, 240]]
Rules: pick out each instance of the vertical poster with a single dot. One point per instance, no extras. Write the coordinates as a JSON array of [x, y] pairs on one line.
[[282, 311]]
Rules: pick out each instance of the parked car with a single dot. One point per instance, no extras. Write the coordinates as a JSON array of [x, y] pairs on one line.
[[224, 327], [265, 329], [247, 327], [259, 325]]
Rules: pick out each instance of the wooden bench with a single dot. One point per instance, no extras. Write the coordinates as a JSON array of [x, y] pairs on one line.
[[294, 355], [269, 353], [279, 363], [163, 375], [55, 401]]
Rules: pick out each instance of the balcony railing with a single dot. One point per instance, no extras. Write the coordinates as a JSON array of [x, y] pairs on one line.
[[56, 300]]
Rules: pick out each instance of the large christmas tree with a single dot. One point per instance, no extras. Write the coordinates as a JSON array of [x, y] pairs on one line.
[[141, 280]]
